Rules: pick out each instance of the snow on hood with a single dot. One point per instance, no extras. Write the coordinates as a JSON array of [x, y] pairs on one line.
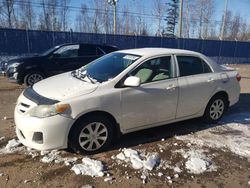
[[64, 86]]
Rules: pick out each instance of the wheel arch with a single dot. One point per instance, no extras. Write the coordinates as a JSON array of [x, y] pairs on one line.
[[221, 93], [117, 131], [33, 69]]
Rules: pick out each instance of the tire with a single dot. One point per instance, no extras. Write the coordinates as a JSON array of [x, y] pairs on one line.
[[215, 109], [33, 77], [81, 140]]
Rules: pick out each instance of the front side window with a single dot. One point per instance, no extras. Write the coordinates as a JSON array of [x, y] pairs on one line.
[[154, 70], [67, 51], [189, 65]]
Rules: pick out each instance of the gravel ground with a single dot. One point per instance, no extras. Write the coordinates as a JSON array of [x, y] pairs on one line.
[[190, 153]]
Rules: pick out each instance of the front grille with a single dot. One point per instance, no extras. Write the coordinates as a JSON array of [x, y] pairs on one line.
[[22, 107]]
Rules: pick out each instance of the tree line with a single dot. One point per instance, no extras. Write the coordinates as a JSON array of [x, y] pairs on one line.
[[162, 19]]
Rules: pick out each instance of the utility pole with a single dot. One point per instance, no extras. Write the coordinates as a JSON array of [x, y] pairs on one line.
[[180, 19], [224, 20], [114, 3]]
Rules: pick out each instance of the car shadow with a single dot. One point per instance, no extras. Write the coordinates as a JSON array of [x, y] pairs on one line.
[[236, 114]]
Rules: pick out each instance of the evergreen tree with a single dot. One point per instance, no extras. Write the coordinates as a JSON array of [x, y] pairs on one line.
[[172, 17]]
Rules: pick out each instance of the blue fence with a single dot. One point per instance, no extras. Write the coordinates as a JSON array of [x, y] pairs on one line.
[[18, 42]]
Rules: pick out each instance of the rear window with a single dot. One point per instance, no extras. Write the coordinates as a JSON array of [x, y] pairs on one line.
[[189, 65]]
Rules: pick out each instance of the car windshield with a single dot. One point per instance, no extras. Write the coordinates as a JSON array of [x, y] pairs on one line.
[[108, 66], [47, 52]]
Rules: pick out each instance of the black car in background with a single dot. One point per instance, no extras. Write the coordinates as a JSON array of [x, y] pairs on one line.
[[59, 59]]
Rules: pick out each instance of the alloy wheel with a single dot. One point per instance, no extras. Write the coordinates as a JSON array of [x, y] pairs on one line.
[[217, 109], [93, 136]]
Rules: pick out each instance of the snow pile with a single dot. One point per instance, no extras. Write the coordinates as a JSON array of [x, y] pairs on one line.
[[197, 162], [229, 136], [53, 156], [89, 167], [139, 161], [12, 147]]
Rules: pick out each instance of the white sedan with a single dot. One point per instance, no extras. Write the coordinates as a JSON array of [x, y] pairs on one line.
[[122, 92]]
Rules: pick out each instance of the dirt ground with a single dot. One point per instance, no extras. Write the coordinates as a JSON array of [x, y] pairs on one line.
[[20, 170]]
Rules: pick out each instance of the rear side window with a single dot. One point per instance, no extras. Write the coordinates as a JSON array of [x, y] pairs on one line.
[[189, 65], [87, 50]]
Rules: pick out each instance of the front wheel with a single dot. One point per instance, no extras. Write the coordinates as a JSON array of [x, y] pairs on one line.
[[215, 109], [91, 135], [32, 77]]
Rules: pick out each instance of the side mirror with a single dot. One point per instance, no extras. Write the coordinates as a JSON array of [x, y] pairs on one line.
[[132, 81]]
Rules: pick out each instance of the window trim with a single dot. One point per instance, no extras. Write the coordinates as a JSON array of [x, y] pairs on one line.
[[173, 64], [191, 55]]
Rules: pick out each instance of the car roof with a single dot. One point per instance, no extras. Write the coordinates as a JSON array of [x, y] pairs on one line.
[[89, 44], [158, 51]]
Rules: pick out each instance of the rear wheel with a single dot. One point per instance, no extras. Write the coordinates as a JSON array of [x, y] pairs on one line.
[[91, 135], [215, 109], [32, 77]]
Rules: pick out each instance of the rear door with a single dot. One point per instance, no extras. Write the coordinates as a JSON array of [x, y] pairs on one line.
[[196, 83]]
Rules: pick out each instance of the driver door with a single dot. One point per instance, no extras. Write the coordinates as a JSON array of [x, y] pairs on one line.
[[155, 100], [64, 59]]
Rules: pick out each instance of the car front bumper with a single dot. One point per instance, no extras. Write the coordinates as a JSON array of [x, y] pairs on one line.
[[42, 133]]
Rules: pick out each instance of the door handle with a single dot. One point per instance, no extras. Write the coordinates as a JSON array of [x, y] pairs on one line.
[[171, 87], [210, 80]]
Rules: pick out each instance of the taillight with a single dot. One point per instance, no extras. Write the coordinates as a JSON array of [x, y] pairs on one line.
[[238, 77]]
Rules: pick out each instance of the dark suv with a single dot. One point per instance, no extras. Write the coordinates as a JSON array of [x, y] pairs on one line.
[[59, 59]]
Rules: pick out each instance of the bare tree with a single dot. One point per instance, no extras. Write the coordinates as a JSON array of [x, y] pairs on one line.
[[235, 26], [227, 26], [204, 10], [158, 12], [48, 19], [244, 33], [7, 12], [27, 15], [64, 4], [172, 17], [83, 21]]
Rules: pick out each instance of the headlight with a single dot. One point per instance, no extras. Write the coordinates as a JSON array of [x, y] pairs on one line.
[[14, 65], [43, 111]]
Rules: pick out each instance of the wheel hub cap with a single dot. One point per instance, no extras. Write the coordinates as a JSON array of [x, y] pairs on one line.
[[217, 109], [93, 136]]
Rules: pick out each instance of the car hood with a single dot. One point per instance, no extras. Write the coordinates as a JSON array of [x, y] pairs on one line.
[[63, 86], [25, 59]]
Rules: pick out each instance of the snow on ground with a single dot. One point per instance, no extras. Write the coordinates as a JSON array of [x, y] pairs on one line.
[[12, 147], [139, 160], [197, 161], [89, 167], [54, 156], [233, 134]]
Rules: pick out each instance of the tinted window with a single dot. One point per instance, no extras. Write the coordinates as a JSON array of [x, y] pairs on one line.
[[87, 50], [189, 65], [68, 51], [154, 70]]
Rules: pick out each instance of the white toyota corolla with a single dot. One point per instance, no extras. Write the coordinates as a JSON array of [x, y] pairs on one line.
[[122, 92]]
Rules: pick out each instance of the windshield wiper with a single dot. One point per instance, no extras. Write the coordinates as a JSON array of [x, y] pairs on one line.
[[82, 74], [92, 80]]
